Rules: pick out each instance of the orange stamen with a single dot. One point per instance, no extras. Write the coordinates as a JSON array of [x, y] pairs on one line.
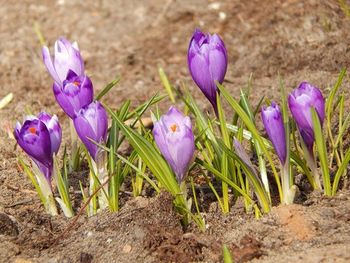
[[173, 128], [76, 83], [32, 130]]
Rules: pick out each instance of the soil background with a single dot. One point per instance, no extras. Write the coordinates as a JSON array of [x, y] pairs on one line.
[[301, 40]]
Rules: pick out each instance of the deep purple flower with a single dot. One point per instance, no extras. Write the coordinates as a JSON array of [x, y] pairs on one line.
[[54, 128], [273, 123], [75, 93], [67, 57], [40, 137], [207, 62], [300, 102], [174, 138], [91, 122]]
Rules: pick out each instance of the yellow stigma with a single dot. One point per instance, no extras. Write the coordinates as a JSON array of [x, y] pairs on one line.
[[173, 127]]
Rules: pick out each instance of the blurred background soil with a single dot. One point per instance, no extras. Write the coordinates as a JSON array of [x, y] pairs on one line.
[[300, 40]]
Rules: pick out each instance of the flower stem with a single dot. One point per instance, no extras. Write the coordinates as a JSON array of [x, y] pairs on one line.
[[75, 160], [310, 159], [288, 190]]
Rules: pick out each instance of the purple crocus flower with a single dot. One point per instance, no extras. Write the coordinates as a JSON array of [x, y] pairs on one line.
[[174, 138], [273, 123], [67, 57], [207, 62], [300, 102], [40, 137], [75, 93], [91, 123]]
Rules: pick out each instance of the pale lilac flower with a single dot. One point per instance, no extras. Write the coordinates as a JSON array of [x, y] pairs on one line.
[[66, 58], [175, 140]]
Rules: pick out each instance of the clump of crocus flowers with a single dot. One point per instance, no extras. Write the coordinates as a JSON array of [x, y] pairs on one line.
[[173, 144]]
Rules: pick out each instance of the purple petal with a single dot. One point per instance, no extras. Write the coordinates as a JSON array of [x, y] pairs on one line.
[[49, 65], [54, 129], [273, 123], [34, 139], [300, 102], [92, 122], [74, 95]]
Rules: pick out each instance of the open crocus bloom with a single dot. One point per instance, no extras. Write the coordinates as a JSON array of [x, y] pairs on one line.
[[91, 123], [40, 137], [75, 93], [174, 138], [207, 63], [300, 102], [67, 57]]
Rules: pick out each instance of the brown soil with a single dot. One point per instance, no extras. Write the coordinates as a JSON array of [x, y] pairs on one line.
[[303, 40]]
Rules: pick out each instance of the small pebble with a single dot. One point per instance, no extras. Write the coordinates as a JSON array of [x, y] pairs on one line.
[[127, 249]]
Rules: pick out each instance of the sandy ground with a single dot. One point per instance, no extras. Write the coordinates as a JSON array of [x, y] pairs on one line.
[[301, 40]]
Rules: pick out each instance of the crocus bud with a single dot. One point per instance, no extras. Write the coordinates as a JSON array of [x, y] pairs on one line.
[[40, 137], [91, 123], [273, 123], [174, 138], [75, 93], [207, 62], [67, 57], [300, 102]]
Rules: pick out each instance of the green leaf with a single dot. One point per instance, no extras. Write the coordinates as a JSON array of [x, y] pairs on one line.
[[322, 152], [259, 189], [227, 255], [152, 158], [224, 160], [107, 88], [251, 127], [166, 84], [341, 170]]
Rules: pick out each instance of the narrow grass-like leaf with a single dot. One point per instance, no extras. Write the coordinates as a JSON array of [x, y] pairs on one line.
[[226, 255], [224, 159], [166, 84], [153, 160], [262, 165], [322, 152], [303, 166], [259, 189], [6, 100], [330, 104], [63, 189], [107, 88], [251, 127], [341, 170], [217, 173], [32, 178]]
